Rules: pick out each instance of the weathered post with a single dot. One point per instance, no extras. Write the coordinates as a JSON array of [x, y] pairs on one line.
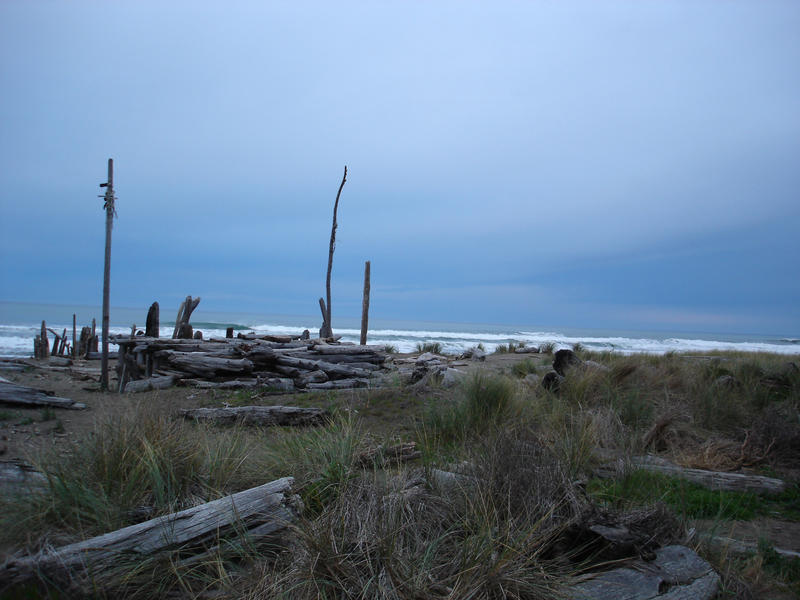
[[365, 305], [152, 325], [74, 336], [327, 329], [109, 208], [45, 343]]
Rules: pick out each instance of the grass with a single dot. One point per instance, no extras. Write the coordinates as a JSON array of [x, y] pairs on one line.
[[688, 499], [435, 347], [380, 531]]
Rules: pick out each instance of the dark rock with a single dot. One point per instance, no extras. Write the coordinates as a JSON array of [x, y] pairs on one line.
[[565, 359], [552, 381]]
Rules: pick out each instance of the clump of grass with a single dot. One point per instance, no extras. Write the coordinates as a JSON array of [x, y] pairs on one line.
[[481, 402], [390, 348], [509, 347], [547, 347], [524, 367], [435, 347], [47, 414], [131, 465]]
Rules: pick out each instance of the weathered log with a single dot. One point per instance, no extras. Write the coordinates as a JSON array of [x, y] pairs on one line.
[[314, 365], [715, 480], [149, 384], [339, 384], [62, 346], [229, 333], [98, 355], [263, 511], [311, 377], [184, 314], [347, 349], [265, 416], [738, 547], [384, 456], [152, 324], [204, 365], [677, 573], [11, 393], [16, 477]]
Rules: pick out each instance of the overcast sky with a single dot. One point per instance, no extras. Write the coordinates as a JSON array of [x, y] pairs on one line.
[[590, 164]]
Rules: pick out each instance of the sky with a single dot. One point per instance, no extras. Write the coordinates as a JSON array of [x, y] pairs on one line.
[[603, 164]]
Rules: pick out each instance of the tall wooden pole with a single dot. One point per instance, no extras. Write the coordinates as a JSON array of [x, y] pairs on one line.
[[365, 305], [109, 206], [326, 325]]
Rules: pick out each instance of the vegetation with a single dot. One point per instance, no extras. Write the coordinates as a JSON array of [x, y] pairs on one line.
[[435, 347], [374, 530]]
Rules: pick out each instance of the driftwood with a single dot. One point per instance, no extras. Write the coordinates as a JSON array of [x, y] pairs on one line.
[[152, 323], [262, 511], [209, 366], [741, 548], [17, 477], [11, 393], [677, 573], [149, 384], [385, 456], [715, 480], [185, 311], [339, 384], [327, 329], [266, 416], [365, 305]]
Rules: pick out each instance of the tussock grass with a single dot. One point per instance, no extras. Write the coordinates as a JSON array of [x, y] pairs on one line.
[[131, 467], [435, 347]]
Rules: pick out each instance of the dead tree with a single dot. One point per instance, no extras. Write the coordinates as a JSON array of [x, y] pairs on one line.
[[326, 331]]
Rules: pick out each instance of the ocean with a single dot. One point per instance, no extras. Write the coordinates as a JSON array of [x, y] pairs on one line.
[[20, 322]]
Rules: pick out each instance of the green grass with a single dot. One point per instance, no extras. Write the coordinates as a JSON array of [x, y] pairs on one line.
[[435, 347], [685, 498], [524, 367], [786, 569]]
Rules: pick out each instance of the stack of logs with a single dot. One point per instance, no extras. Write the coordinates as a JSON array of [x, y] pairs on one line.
[[278, 362]]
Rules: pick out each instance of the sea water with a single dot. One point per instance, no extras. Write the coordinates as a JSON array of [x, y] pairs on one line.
[[20, 323]]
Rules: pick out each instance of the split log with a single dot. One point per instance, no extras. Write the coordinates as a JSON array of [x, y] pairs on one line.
[[11, 393], [339, 384], [677, 573], [63, 345], [265, 416], [149, 384], [715, 480], [184, 314], [263, 511]]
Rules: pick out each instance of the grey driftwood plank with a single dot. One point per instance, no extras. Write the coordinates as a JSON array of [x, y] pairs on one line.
[[715, 480], [265, 510], [20, 395], [259, 415]]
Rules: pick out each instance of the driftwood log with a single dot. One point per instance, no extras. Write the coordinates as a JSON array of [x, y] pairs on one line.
[[260, 512], [266, 416], [20, 395], [715, 480], [16, 477], [677, 573]]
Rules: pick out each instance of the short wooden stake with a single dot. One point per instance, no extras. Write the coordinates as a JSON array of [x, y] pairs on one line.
[[45, 344]]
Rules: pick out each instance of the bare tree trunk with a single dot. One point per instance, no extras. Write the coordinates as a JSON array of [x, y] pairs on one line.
[[152, 323], [327, 328], [365, 306], [109, 206]]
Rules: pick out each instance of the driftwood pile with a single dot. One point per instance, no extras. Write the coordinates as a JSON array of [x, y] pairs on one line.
[[283, 363]]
